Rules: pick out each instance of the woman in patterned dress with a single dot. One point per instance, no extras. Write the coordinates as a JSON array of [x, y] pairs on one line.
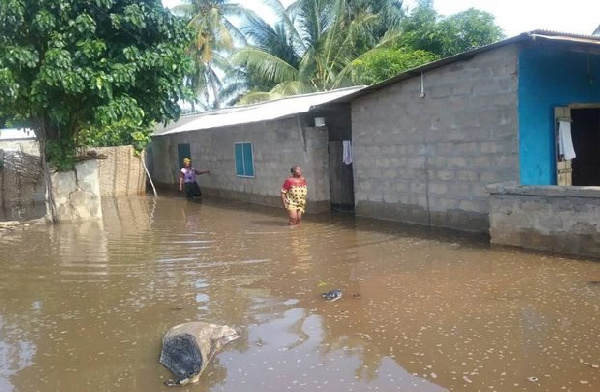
[[293, 195]]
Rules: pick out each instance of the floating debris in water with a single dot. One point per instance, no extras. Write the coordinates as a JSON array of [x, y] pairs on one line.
[[333, 295]]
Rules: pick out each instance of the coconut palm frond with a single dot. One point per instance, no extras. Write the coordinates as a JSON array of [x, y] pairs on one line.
[[268, 66], [291, 88], [341, 45], [308, 65], [256, 30], [254, 97], [181, 10], [389, 38]]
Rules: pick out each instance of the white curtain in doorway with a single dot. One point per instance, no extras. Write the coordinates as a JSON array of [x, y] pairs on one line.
[[347, 152], [565, 142]]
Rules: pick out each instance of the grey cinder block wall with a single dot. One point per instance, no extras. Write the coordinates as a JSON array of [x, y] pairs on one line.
[[551, 218], [427, 159], [277, 145]]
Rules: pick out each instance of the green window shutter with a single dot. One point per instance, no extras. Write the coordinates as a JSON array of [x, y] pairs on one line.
[[248, 160], [239, 159]]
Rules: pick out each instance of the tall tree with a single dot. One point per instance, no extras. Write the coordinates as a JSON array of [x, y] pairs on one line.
[[215, 36], [68, 65], [424, 29], [315, 43], [389, 15]]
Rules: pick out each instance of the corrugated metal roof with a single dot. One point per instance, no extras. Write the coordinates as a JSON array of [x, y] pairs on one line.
[[563, 35], [263, 111], [588, 40], [16, 134]]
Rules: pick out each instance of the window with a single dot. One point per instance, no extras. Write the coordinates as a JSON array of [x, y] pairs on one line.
[[244, 160]]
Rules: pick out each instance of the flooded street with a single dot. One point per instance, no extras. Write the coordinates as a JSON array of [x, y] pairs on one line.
[[83, 307]]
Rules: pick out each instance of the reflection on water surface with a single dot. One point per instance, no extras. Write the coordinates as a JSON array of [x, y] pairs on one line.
[[83, 307]]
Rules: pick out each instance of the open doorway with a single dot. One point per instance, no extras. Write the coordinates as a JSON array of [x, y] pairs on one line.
[[341, 177], [585, 132]]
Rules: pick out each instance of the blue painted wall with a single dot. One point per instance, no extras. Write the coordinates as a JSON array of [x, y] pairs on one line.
[[549, 78]]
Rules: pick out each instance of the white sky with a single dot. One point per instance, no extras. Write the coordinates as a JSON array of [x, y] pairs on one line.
[[514, 16]]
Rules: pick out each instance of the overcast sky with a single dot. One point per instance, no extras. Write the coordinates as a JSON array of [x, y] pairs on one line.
[[518, 16], [514, 16]]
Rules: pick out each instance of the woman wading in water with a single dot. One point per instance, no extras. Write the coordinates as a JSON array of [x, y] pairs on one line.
[[187, 179], [293, 195]]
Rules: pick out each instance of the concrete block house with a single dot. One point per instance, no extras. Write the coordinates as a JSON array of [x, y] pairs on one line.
[[250, 150], [472, 142]]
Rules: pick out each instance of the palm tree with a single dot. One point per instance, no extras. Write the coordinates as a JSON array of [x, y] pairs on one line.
[[215, 37], [389, 15], [311, 48]]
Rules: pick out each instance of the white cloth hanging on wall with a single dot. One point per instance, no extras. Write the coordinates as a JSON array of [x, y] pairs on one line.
[[565, 142], [347, 152]]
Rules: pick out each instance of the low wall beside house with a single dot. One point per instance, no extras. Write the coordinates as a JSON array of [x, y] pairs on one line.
[[22, 191], [550, 218], [113, 171], [77, 193], [121, 173]]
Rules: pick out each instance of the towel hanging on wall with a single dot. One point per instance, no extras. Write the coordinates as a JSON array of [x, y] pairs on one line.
[[565, 142], [347, 152]]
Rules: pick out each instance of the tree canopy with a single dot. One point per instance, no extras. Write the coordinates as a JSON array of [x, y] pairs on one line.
[[424, 29], [379, 65], [318, 45], [70, 65], [313, 45]]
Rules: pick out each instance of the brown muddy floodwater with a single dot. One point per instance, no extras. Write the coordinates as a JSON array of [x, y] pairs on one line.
[[83, 307]]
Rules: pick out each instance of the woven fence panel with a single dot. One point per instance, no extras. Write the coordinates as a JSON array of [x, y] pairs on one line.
[[121, 173], [20, 179]]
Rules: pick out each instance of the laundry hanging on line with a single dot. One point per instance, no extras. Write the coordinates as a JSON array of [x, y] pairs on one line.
[[565, 142], [347, 152]]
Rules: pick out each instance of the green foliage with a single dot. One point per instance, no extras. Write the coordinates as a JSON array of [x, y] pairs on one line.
[[61, 153], [381, 64], [117, 134], [322, 45], [424, 29], [313, 46], [69, 65], [124, 125]]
